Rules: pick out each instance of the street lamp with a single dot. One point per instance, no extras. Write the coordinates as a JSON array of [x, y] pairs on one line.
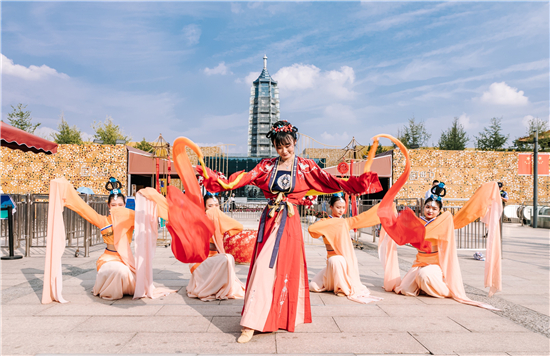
[[535, 175]]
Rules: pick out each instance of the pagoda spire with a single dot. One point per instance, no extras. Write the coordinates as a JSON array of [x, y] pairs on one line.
[[265, 61]]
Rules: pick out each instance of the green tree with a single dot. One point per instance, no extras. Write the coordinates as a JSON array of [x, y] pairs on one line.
[[144, 146], [108, 132], [491, 138], [22, 119], [526, 143], [455, 138], [536, 123], [67, 134], [414, 135], [366, 149]]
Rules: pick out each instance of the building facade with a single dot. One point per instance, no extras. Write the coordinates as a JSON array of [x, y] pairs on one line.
[[264, 111], [465, 171]]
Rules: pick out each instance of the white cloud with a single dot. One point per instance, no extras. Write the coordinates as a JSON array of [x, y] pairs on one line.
[[526, 119], [297, 77], [335, 137], [31, 73], [252, 76], [83, 102], [219, 69], [45, 132], [228, 127], [86, 136], [254, 4], [415, 70], [464, 120], [307, 77], [502, 94], [192, 33], [236, 8], [340, 113]]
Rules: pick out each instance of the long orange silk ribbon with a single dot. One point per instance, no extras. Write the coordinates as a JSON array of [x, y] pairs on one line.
[[188, 224], [405, 227]]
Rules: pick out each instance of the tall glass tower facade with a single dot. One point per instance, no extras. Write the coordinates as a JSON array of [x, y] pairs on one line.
[[264, 111]]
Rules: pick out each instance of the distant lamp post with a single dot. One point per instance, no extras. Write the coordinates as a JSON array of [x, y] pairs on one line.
[[161, 150], [535, 175], [98, 141]]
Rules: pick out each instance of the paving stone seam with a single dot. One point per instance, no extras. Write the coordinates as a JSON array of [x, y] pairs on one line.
[[431, 353], [459, 324], [528, 318], [121, 347]]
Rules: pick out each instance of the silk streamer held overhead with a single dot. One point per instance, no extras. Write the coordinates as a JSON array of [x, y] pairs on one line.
[[404, 227], [188, 224]]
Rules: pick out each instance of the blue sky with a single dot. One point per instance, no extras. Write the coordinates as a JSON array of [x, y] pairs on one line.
[[344, 68]]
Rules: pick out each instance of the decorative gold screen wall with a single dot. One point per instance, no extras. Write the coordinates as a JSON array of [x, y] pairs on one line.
[[464, 171], [83, 165]]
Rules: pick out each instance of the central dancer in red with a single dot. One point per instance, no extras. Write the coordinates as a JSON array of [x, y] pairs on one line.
[[277, 291]]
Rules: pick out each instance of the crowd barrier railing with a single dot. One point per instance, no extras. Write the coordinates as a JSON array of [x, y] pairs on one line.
[[31, 219], [31, 223]]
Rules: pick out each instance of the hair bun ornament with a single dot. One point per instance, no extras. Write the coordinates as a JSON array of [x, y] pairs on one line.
[[208, 194], [438, 191], [339, 194], [113, 186], [500, 185], [281, 126]]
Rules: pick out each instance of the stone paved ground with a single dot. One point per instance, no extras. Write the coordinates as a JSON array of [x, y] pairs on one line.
[[179, 325]]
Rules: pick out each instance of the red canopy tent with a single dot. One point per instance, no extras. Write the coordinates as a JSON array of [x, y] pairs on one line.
[[17, 139]]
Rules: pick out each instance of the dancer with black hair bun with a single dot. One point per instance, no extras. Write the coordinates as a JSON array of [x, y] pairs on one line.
[[436, 270], [215, 278], [116, 267], [277, 291], [341, 275], [114, 277]]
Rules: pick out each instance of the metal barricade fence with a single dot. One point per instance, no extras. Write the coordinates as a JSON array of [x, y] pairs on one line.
[[471, 237], [31, 220], [31, 223], [246, 211]]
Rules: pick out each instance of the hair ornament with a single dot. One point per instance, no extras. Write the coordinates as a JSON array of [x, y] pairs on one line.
[[339, 195], [281, 126], [438, 191], [113, 186], [208, 194]]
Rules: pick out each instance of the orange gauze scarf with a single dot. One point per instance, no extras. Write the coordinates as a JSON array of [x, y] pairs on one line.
[[336, 231], [62, 194], [486, 204]]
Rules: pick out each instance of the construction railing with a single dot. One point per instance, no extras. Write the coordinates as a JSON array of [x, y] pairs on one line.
[[31, 220], [31, 223]]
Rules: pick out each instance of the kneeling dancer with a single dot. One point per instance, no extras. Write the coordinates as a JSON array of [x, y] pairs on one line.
[[436, 270], [215, 278], [118, 273], [342, 272]]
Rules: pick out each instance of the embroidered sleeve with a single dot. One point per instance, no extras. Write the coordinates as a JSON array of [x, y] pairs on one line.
[[323, 182]]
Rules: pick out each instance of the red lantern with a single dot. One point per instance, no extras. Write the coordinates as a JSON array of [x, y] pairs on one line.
[[343, 167]]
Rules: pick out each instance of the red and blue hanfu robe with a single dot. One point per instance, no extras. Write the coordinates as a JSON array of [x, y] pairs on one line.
[[277, 291]]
